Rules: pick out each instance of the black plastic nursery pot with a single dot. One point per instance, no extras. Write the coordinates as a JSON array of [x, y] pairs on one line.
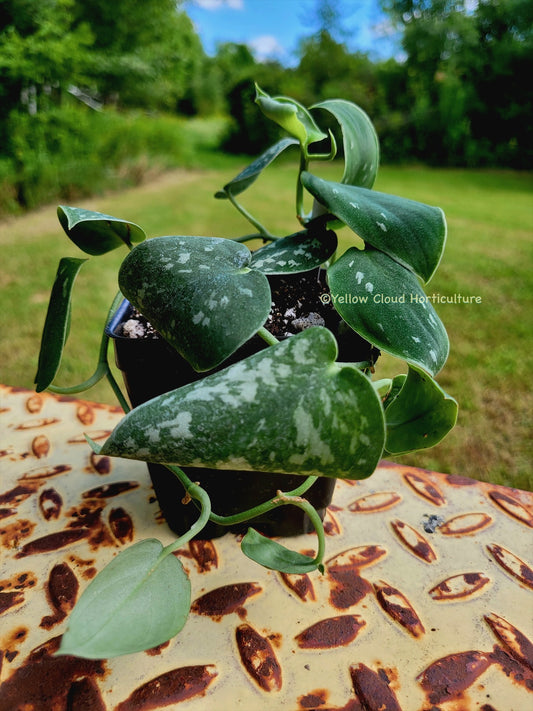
[[151, 367]]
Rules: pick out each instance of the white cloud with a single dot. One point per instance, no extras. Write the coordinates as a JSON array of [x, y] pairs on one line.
[[217, 4], [266, 47]]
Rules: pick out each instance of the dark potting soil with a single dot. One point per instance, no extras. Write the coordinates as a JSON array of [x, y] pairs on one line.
[[298, 302]]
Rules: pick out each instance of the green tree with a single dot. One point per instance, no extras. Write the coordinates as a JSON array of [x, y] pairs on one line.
[[468, 85], [41, 52], [143, 54]]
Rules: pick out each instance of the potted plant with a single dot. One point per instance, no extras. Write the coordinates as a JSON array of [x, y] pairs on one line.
[[245, 404]]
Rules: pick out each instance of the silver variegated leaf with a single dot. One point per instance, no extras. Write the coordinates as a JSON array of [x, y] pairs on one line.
[[419, 415], [412, 233], [299, 252], [360, 141], [290, 409], [249, 175], [96, 233], [199, 293], [385, 304]]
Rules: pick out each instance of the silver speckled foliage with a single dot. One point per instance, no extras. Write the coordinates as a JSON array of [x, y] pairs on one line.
[[291, 408], [308, 415]]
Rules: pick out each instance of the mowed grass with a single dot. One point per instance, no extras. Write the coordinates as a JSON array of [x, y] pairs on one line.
[[489, 255]]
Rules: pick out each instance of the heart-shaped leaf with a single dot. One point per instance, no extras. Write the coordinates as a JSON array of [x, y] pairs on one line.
[[361, 145], [289, 408], [140, 600], [299, 252], [419, 415], [95, 233], [385, 304], [250, 174], [291, 116], [199, 293], [271, 554], [412, 233], [56, 325]]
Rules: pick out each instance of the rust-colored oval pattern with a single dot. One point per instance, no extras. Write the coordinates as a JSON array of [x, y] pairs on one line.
[[40, 446], [62, 588], [425, 488], [516, 642], [258, 658], [512, 564], [300, 584], [459, 587], [332, 632], [170, 688], [225, 600], [37, 423], [47, 472], [34, 404], [331, 525], [372, 690], [377, 617], [85, 414], [466, 524], [50, 503], [398, 607], [357, 557], [101, 463], [10, 599], [414, 541], [109, 490], [372, 503], [450, 676], [204, 554], [53, 542], [348, 587], [121, 524], [512, 506]]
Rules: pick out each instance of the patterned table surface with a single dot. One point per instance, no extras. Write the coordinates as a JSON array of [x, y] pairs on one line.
[[425, 605]]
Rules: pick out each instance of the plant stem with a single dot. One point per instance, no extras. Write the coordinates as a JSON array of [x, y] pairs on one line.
[[266, 506], [267, 336], [198, 494], [278, 500], [103, 369], [286, 499], [304, 164], [248, 238], [258, 226]]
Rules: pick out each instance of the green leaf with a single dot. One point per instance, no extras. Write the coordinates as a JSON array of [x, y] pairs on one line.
[[289, 408], [199, 293], [385, 304], [412, 233], [361, 145], [299, 252], [250, 174], [291, 116], [419, 415], [95, 233], [56, 325], [138, 601], [396, 385], [271, 554]]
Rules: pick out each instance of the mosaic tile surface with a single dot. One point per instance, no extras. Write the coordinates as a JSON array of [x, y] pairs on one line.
[[426, 603]]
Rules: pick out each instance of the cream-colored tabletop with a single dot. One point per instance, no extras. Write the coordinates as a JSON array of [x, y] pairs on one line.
[[426, 602]]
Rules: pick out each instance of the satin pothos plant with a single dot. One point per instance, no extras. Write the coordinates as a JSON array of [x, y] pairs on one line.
[[290, 408]]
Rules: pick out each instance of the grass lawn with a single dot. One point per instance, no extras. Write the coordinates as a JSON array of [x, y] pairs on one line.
[[489, 255]]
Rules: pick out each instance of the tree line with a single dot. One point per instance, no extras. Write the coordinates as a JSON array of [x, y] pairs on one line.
[[460, 95]]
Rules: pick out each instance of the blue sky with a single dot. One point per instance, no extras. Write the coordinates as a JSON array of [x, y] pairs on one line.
[[272, 28]]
